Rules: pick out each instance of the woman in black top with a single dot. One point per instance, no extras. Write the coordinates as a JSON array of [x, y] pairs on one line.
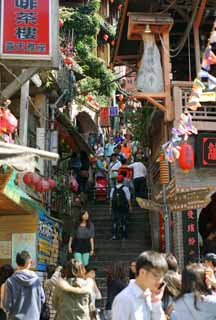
[[81, 242]]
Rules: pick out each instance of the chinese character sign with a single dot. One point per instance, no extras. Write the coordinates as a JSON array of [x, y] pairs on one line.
[[26, 28], [206, 150], [190, 235]]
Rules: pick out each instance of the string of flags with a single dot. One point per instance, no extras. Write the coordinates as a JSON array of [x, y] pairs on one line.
[[204, 81]]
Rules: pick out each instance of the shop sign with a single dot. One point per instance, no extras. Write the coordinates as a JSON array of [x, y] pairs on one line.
[[27, 30], [114, 111], [190, 235], [104, 117], [5, 250], [206, 150]]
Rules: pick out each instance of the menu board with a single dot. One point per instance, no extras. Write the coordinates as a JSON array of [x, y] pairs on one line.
[[24, 241]]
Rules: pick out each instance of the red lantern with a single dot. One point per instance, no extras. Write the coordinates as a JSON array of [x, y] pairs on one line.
[[122, 106], [112, 1], [96, 104], [42, 186], [186, 158], [120, 97], [113, 43], [105, 37], [51, 182], [61, 23], [35, 179], [119, 7], [68, 60], [90, 98], [27, 178]]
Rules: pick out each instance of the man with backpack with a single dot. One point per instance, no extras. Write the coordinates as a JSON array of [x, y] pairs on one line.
[[120, 204]]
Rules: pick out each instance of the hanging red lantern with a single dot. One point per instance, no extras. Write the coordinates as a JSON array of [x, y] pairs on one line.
[[119, 7], [96, 104], [113, 43], [120, 97], [112, 1], [61, 23], [68, 61], [52, 183], [10, 121], [186, 158], [90, 98], [2, 120], [105, 37], [27, 178], [35, 179], [122, 106], [42, 186]]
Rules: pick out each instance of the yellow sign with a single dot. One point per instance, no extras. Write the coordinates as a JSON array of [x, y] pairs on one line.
[[208, 96]]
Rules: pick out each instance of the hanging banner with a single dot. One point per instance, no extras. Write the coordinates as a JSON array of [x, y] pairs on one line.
[[190, 236], [104, 117], [114, 111], [28, 29]]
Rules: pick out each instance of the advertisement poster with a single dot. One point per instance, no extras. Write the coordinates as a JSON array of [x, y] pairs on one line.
[[26, 29], [24, 241]]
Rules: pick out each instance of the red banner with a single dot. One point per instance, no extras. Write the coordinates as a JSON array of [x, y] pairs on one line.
[[26, 30], [104, 117]]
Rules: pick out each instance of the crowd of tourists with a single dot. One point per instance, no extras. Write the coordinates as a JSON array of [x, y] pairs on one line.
[[151, 288]]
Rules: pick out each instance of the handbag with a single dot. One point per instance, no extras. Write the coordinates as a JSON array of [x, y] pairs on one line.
[[45, 312]]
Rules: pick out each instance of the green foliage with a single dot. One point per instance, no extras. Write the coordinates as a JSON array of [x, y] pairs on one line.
[[86, 22]]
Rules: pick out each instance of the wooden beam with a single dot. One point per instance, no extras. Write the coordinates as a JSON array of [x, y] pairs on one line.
[[120, 31], [143, 95], [15, 85], [196, 33], [147, 97]]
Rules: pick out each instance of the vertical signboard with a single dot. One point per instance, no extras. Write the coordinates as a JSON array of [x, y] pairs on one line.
[[27, 29], [206, 150], [190, 236]]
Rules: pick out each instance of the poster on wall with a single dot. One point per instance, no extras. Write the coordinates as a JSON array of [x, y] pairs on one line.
[[24, 241], [49, 238], [190, 236], [5, 250]]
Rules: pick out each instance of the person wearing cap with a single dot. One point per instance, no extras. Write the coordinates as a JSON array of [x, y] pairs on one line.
[[114, 165], [120, 204]]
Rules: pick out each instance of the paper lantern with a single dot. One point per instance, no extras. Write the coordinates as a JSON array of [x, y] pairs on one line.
[[120, 97], [90, 98], [119, 7], [68, 60], [186, 158], [122, 106], [42, 186], [35, 179], [105, 37], [113, 43], [27, 178], [52, 183]]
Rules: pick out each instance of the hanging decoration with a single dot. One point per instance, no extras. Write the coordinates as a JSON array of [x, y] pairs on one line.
[[186, 157], [185, 127]]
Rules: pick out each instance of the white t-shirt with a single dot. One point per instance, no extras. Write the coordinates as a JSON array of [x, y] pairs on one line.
[[139, 170]]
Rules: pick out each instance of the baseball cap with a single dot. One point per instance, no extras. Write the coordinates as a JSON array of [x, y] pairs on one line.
[[211, 257], [120, 178]]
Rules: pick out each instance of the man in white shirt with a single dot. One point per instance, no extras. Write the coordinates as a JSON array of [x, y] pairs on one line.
[[114, 165], [139, 178], [141, 299], [120, 204]]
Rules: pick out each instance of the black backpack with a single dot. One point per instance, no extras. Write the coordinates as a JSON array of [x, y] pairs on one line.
[[119, 199]]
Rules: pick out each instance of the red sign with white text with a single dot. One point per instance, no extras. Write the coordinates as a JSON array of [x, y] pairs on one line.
[[26, 29]]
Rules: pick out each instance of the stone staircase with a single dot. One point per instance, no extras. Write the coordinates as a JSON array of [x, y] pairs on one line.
[[108, 251]]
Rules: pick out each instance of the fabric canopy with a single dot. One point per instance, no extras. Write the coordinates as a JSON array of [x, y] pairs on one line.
[[22, 158]]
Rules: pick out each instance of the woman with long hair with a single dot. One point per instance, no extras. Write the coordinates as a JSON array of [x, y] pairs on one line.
[[72, 298], [172, 290], [81, 242], [117, 280], [196, 300]]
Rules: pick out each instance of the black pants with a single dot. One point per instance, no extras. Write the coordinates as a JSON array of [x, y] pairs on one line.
[[120, 222], [140, 187]]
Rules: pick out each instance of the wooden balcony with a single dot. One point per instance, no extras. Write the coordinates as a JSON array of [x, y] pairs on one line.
[[204, 118]]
